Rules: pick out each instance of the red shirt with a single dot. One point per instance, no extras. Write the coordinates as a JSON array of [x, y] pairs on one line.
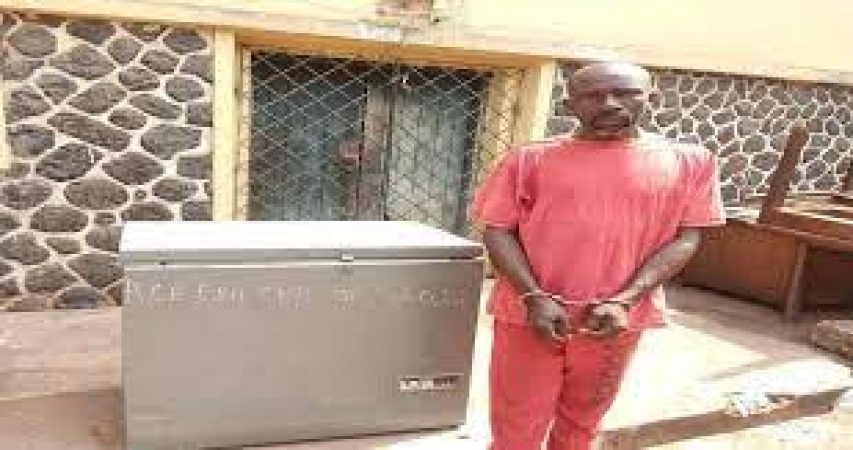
[[590, 213]]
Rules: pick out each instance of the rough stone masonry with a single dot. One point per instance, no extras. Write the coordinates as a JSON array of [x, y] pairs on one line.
[[108, 122]]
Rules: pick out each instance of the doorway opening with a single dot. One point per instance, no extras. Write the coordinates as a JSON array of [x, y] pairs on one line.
[[338, 138]]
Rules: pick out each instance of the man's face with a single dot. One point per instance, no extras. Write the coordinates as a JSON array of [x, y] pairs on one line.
[[609, 104]]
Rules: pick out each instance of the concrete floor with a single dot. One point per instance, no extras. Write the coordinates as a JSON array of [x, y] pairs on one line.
[[60, 382], [826, 432]]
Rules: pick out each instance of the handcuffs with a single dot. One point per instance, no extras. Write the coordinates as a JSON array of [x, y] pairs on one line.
[[578, 310]]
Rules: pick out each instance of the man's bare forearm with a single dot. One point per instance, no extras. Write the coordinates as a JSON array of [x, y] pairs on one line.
[[663, 265], [509, 258]]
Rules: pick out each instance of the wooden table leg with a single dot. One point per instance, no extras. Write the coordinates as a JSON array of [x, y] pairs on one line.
[[795, 287]]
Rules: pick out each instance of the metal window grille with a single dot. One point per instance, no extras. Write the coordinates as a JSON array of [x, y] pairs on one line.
[[334, 138]]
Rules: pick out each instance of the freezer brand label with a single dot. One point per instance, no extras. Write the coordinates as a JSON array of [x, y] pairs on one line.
[[431, 383]]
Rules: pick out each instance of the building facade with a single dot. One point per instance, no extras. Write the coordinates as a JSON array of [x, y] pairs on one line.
[[360, 110]]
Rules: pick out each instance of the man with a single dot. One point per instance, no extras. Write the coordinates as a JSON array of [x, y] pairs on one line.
[[582, 231]]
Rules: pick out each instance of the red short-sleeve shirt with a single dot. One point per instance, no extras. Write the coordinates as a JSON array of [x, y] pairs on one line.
[[590, 213]]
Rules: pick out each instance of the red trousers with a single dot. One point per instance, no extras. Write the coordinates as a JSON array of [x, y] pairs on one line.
[[540, 389]]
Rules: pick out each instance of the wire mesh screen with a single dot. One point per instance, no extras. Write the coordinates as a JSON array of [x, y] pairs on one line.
[[346, 139]]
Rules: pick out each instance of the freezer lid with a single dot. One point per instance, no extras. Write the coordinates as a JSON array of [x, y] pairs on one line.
[[238, 241]]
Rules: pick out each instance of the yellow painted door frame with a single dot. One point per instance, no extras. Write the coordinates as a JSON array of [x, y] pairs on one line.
[[226, 81], [232, 107]]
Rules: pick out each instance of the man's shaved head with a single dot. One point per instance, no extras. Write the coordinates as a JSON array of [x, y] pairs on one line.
[[609, 98]]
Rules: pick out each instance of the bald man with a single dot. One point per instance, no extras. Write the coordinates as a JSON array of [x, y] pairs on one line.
[[582, 231]]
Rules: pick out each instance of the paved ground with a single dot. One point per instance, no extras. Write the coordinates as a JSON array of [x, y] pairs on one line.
[[59, 380], [832, 431], [60, 383]]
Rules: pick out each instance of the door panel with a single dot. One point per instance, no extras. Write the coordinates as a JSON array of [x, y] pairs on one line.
[[304, 129], [433, 121]]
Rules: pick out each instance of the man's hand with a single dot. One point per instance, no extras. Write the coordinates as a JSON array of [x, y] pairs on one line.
[[611, 316], [548, 318], [606, 320]]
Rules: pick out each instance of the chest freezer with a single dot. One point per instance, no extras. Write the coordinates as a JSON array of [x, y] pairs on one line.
[[240, 333]]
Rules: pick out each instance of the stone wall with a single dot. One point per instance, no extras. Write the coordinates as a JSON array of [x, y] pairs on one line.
[[745, 120], [107, 122]]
